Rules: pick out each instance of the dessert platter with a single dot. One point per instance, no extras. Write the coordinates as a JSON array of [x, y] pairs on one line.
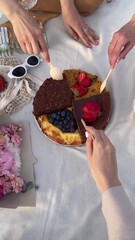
[[59, 106]]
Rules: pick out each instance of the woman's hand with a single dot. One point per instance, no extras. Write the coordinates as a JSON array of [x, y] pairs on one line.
[[28, 34], [76, 27], [101, 159], [122, 42]]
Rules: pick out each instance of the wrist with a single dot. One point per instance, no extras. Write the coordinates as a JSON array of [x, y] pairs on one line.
[[16, 15], [9, 8], [12, 10], [110, 184], [66, 3]]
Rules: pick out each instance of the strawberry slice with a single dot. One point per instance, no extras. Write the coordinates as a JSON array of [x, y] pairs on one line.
[[93, 106], [83, 80], [80, 77], [91, 111], [2, 83], [87, 82], [78, 90]]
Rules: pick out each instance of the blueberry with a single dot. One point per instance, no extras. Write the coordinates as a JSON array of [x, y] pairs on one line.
[[73, 123], [63, 113], [53, 115], [65, 121], [56, 122], [68, 118], [58, 117], [51, 120], [63, 129], [67, 126], [68, 112], [60, 127], [72, 129], [59, 112]]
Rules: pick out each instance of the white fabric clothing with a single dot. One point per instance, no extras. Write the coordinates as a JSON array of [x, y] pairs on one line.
[[119, 214]]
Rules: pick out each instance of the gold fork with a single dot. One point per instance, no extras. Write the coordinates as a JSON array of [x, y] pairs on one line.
[[86, 133], [103, 85]]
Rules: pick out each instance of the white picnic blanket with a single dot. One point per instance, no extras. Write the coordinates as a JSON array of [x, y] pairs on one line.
[[68, 202]]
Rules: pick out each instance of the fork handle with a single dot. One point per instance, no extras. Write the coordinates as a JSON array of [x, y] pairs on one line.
[[108, 75]]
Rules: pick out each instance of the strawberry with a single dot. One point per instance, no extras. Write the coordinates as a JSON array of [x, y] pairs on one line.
[[83, 80], [86, 82], [2, 83], [91, 111], [80, 77], [78, 90]]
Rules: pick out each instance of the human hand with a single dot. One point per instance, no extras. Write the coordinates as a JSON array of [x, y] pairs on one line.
[[122, 42], [101, 159], [75, 25], [28, 34]]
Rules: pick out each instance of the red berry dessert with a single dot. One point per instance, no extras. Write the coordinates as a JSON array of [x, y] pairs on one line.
[[91, 111], [95, 111], [2, 83], [79, 90], [84, 80]]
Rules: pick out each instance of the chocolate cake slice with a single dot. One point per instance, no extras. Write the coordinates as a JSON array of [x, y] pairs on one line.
[[101, 122], [52, 95]]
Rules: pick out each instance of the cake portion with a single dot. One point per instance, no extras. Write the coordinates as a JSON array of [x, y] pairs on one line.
[[72, 77], [52, 95], [102, 116], [56, 135], [59, 106]]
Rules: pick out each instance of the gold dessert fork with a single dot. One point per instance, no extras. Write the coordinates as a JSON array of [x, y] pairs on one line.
[[103, 85], [86, 133]]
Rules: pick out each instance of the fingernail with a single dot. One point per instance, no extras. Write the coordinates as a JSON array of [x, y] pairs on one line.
[[86, 134], [75, 38], [89, 46]]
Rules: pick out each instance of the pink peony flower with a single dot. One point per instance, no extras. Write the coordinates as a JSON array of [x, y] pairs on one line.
[[2, 142], [15, 139], [1, 192], [3, 130], [17, 184], [12, 127], [10, 140], [6, 161], [7, 187]]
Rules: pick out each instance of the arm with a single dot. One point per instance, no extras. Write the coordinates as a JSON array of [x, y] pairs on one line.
[[122, 42], [117, 209], [75, 25], [119, 214], [26, 29]]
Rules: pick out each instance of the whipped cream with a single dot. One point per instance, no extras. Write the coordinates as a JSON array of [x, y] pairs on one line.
[[55, 72]]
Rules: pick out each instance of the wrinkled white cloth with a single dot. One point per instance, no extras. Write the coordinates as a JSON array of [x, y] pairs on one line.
[[68, 202], [119, 214]]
